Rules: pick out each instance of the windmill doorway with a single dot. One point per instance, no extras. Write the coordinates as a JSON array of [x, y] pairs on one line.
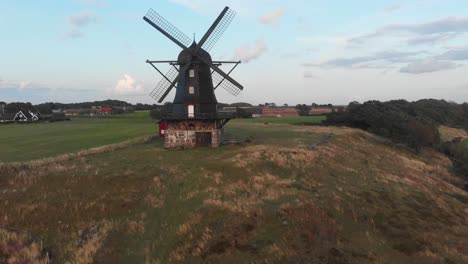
[[203, 139]]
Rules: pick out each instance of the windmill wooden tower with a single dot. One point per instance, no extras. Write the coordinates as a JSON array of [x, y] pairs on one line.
[[194, 119]]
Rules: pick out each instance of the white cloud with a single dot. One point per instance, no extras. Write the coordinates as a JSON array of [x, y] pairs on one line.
[[388, 57], [458, 47], [249, 53], [18, 84], [128, 86], [82, 19], [454, 55], [429, 65], [310, 65], [273, 17], [309, 75], [24, 84], [453, 25], [338, 41], [78, 21], [392, 8], [73, 33], [432, 38]]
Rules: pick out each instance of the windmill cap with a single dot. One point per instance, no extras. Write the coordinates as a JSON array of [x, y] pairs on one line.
[[186, 54]]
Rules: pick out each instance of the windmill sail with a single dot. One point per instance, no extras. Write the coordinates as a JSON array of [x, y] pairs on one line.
[[164, 84], [219, 30], [220, 81], [167, 29]]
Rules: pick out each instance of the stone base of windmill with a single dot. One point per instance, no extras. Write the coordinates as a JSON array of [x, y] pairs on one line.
[[192, 133]]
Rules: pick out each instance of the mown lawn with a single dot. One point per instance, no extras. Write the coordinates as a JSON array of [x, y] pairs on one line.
[[35, 141]]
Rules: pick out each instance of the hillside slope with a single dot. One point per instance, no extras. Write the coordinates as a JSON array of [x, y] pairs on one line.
[[353, 199]]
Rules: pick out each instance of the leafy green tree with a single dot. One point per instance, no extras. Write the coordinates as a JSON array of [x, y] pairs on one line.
[[241, 113], [303, 109]]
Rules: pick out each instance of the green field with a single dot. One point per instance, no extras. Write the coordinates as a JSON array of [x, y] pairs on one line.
[[272, 199], [41, 140], [35, 141]]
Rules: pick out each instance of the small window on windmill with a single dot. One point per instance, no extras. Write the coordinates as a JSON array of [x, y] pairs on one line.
[[191, 90], [191, 73], [191, 111]]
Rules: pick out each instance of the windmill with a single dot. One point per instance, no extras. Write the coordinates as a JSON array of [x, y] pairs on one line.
[[194, 119]]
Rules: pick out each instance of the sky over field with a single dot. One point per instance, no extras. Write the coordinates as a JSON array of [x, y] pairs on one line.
[[296, 51]]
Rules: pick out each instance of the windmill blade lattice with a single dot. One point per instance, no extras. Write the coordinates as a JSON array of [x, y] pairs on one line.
[[225, 84], [218, 32], [164, 84], [161, 22]]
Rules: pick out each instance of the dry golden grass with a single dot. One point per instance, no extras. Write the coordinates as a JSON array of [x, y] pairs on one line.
[[85, 252], [156, 197], [449, 133], [325, 129], [136, 227], [248, 155], [190, 249], [187, 227], [190, 195], [275, 252], [283, 157], [243, 196], [154, 201], [16, 248], [429, 171], [428, 175]]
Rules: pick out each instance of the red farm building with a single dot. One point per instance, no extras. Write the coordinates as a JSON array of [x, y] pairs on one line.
[[106, 111]]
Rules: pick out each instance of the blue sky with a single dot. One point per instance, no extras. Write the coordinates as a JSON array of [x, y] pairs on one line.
[[297, 51]]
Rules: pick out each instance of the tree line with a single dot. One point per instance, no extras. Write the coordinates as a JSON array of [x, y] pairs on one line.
[[47, 108]]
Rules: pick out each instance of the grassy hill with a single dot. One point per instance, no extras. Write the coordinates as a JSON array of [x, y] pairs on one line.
[[283, 120], [353, 199]]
